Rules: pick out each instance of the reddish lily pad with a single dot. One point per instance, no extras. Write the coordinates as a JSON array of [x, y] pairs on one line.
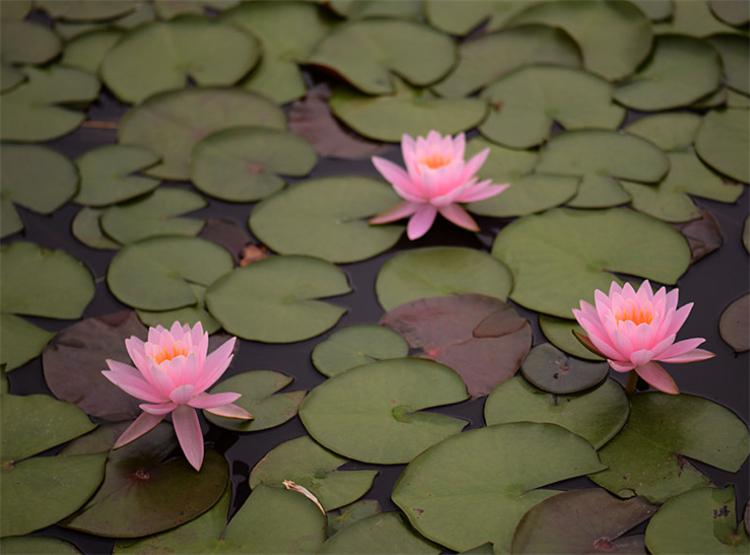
[[481, 338], [734, 325], [550, 370], [703, 235], [228, 234]]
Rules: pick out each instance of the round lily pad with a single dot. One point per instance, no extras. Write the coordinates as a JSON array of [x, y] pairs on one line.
[[439, 271], [362, 9], [355, 346], [36, 178], [500, 465], [186, 315], [172, 123], [159, 273], [83, 10], [655, 10], [144, 469], [733, 13], [458, 18], [559, 332], [35, 545], [26, 42], [87, 229], [242, 164], [734, 324], [668, 131], [387, 532], [552, 371], [106, 174], [385, 398], [21, 341], [346, 516], [693, 18], [601, 159], [171, 53], [681, 70], [311, 466], [87, 50], [260, 398], [526, 103], [723, 142], [597, 415], [562, 256], [367, 52], [677, 427], [735, 59], [327, 218], [276, 299]]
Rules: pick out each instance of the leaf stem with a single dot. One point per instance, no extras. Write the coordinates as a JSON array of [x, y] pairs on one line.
[[632, 382]]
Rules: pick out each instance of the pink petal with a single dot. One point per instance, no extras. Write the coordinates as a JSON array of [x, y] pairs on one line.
[[160, 409], [398, 178], [137, 354], [641, 357], [645, 293], [476, 162], [658, 378], [130, 381], [154, 334], [678, 319], [409, 153], [399, 211], [421, 221], [681, 347], [628, 292], [212, 400], [457, 215], [231, 411], [216, 364], [459, 146], [182, 394], [620, 366], [614, 287], [482, 191], [691, 356], [140, 426], [188, 430]]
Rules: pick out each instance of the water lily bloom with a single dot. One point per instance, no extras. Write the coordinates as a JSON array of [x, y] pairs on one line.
[[437, 179], [172, 373], [635, 330]]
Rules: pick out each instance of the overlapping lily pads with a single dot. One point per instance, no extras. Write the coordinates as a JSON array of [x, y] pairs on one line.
[[81, 10], [386, 531], [693, 18], [23, 42], [346, 516], [735, 60], [550, 370], [723, 142], [36, 545], [87, 50], [21, 341], [669, 131], [87, 229], [458, 18], [559, 332], [357, 345]]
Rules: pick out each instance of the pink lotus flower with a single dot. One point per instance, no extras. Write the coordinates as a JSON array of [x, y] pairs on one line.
[[436, 180], [633, 330], [172, 373]]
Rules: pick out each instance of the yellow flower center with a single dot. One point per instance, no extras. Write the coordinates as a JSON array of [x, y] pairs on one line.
[[435, 161], [635, 314], [168, 353]]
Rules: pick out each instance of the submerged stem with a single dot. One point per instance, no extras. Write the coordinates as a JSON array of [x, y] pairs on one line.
[[632, 382]]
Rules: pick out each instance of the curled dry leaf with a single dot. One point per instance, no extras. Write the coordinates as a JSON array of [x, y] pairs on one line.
[[288, 484], [703, 235], [734, 324], [253, 253], [227, 234], [480, 337]]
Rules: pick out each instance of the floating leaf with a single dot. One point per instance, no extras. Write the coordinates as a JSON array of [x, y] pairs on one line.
[[734, 324], [559, 332], [176, 493], [387, 532], [479, 65], [615, 37], [141, 13], [169, 9], [85, 10], [550, 370], [735, 59], [315, 468], [327, 218], [186, 315], [355, 346], [229, 234], [366, 53], [582, 521], [526, 103], [241, 164], [669, 131], [703, 235], [458, 18], [481, 338], [723, 142], [172, 123], [596, 415], [681, 70], [36, 178], [87, 229], [20, 341], [655, 10], [15, 10], [159, 273], [74, 360], [87, 50], [260, 398], [746, 234], [733, 13], [172, 53], [692, 18], [560, 257], [361, 9], [26, 42], [276, 300], [677, 427], [500, 466], [35, 545], [439, 271], [385, 398], [601, 159], [346, 516]]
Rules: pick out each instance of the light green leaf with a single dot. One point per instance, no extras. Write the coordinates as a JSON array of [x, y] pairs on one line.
[[355, 346], [383, 533], [669, 131], [723, 142], [735, 59], [87, 229], [458, 18], [20, 341], [26, 42], [693, 18], [87, 50], [85, 10]]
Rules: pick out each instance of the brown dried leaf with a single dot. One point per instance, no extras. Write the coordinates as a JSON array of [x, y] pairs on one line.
[[288, 484], [227, 234], [253, 253], [703, 235]]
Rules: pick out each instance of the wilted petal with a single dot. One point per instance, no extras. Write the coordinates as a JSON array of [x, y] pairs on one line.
[[189, 435], [140, 426], [658, 378]]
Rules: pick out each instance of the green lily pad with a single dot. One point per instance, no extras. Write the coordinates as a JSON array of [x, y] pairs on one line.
[[407, 110], [15, 10], [144, 469], [582, 521], [669, 131], [676, 427], [106, 174], [32, 111], [681, 70], [596, 415], [723, 142], [35, 545], [562, 256], [287, 31], [327, 218], [655, 10], [479, 65], [733, 13], [36, 178], [241, 164], [154, 215], [10, 77], [746, 234], [458, 18], [362, 9], [275, 300], [20, 341], [169, 9], [550, 370], [39, 282], [27, 42], [84, 10], [141, 13], [87, 229], [526, 103], [735, 59], [385, 398], [87, 50], [559, 332], [172, 123], [355, 346], [185, 315], [487, 479], [383, 533], [260, 398], [528, 193], [346, 516], [601, 159], [734, 325], [693, 18], [171, 53], [159, 273], [669, 200], [615, 37], [703, 520], [439, 271], [306, 463], [367, 53]]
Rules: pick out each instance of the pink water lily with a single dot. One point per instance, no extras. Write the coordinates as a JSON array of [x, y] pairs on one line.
[[635, 330], [437, 179], [172, 372]]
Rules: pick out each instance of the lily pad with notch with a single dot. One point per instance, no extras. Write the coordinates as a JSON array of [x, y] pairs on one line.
[[87, 50], [21, 341], [348, 515], [735, 59], [560, 332], [186, 315], [86, 227], [734, 325], [669, 131], [387, 531], [459, 18], [357, 345], [549, 369], [723, 142]]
